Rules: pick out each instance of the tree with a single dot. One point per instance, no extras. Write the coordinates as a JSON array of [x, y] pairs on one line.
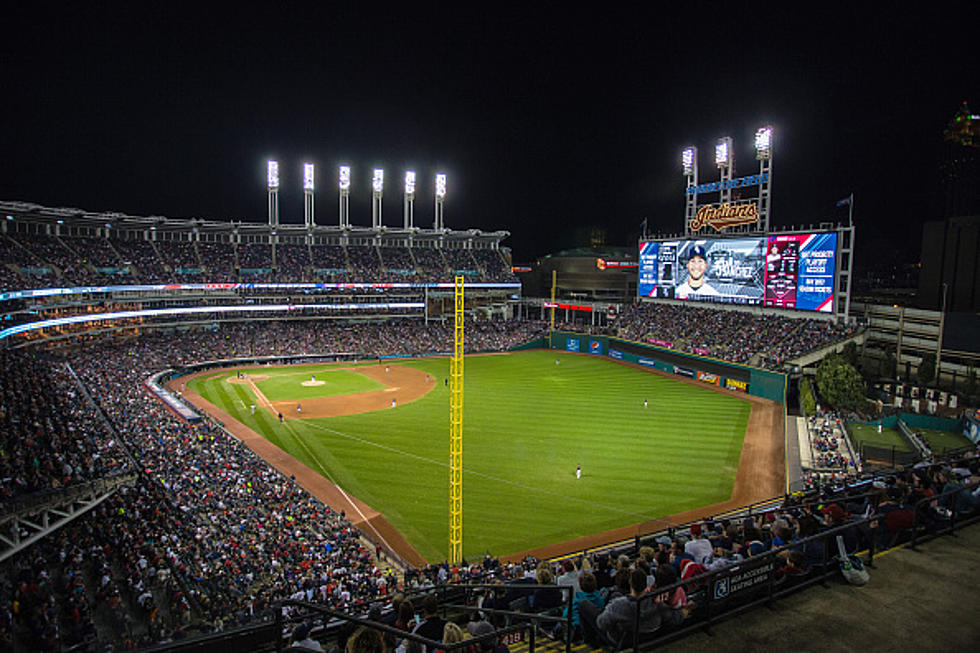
[[927, 369], [850, 353], [970, 386], [839, 383], [889, 366]]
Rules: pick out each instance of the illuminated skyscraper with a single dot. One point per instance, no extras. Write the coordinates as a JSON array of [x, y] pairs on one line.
[[960, 165]]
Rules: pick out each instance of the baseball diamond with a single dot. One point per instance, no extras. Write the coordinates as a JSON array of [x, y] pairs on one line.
[[696, 450]]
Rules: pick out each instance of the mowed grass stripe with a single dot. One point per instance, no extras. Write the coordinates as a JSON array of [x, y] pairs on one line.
[[529, 421]]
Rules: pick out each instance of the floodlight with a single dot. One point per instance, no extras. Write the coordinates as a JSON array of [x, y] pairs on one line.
[[273, 175], [307, 176], [344, 177], [378, 183], [409, 182], [763, 142], [721, 152], [440, 185], [688, 157]]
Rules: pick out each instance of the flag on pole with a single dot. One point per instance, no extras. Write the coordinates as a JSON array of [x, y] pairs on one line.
[[844, 202]]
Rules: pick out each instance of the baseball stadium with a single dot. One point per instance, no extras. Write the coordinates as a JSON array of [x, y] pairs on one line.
[[299, 435]]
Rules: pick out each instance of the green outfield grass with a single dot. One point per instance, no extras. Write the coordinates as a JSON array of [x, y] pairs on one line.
[[527, 423], [888, 437], [287, 383], [940, 441]]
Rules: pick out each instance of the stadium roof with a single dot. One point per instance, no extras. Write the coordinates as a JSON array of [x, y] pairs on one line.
[[113, 220]]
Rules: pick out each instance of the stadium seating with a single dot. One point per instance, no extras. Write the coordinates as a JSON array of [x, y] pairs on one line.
[[764, 340], [48, 261], [210, 536]]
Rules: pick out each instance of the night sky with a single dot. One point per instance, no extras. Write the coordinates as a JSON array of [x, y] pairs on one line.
[[548, 121]]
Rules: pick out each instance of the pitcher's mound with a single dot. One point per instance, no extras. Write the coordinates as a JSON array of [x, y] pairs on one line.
[[310, 384]]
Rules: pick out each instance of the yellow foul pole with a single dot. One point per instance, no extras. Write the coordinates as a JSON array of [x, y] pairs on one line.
[[456, 433]]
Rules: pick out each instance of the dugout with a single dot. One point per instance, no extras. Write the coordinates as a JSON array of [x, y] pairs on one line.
[[742, 378]]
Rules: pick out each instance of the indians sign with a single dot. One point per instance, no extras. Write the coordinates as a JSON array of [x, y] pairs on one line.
[[723, 216]]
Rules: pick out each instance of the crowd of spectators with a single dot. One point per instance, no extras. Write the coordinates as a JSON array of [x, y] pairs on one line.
[[431, 264], [47, 439], [255, 256], [493, 265], [460, 261], [328, 257], [292, 263], [210, 535], [398, 263], [740, 337], [47, 261], [141, 256], [662, 577], [182, 257]]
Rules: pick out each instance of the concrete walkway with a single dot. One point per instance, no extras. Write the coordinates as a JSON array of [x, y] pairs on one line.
[[923, 600]]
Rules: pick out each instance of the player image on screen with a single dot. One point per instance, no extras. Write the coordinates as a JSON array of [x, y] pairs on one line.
[[794, 271], [696, 284]]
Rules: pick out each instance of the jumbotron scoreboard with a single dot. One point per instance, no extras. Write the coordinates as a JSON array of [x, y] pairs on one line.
[[793, 271], [728, 254]]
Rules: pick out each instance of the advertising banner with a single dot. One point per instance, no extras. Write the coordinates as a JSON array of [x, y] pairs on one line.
[[683, 371], [595, 347], [732, 384], [571, 344], [706, 377]]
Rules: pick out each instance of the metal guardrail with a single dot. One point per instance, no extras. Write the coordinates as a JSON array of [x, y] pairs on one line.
[[47, 499]]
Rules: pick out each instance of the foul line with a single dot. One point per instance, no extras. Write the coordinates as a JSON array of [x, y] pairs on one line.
[[326, 473], [481, 474]]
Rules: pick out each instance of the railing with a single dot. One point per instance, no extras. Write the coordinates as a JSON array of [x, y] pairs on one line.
[[55, 497], [518, 622], [725, 593]]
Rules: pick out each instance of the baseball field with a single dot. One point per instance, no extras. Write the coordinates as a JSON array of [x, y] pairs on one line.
[[649, 445]]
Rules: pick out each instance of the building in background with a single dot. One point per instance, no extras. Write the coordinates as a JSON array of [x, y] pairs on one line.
[[950, 275]]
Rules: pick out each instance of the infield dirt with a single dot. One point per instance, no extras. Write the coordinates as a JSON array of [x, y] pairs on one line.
[[404, 385]]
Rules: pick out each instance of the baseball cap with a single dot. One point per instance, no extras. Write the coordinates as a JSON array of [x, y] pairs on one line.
[[697, 250], [835, 511]]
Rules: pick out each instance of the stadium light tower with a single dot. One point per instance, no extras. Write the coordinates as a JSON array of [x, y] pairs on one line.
[[344, 182], [308, 187], [272, 181], [378, 186], [409, 199], [725, 160], [763, 152], [689, 159], [440, 225]]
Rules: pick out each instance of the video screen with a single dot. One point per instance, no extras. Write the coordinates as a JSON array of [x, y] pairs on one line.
[[790, 271]]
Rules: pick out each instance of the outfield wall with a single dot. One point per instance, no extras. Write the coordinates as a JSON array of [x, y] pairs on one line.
[[754, 381]]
